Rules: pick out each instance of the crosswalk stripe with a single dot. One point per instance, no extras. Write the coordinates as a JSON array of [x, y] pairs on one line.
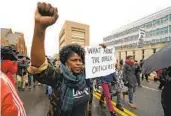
[[126, 112]]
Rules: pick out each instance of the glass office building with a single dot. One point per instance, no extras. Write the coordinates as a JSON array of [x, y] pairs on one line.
[[157, 28]]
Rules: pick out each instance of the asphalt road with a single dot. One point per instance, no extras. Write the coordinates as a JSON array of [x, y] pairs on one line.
[[147, 100]]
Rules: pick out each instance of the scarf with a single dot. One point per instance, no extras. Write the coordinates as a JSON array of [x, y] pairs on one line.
[[70, 82], [129, 62]]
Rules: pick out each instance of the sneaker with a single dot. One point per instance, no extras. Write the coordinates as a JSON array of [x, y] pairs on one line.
[[113, 113], [119, 106], [133, 105]]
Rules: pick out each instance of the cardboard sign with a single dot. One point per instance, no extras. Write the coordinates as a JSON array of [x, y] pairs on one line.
[[99, 61]]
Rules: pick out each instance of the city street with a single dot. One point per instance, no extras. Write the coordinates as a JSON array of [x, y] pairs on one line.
[[147, 101]]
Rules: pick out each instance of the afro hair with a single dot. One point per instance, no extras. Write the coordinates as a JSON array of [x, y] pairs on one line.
[[68, 50]]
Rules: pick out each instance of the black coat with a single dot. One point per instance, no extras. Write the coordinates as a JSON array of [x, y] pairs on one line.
[[129, 75], [137, 69], [22, 68]]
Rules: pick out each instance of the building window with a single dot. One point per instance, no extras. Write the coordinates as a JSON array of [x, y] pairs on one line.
[[148, 25], [169, 28], [158, 22], [164, 19], [157, 31], [154, 23], [170, 17]]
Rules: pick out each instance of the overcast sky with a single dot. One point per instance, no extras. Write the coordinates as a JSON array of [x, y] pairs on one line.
[[103, 16]]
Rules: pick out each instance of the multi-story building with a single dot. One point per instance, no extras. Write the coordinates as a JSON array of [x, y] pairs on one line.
[[73, 32], [157, 28], [13, 38]]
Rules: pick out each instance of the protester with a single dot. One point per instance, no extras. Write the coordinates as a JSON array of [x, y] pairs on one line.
[[71, 91], [106, 85], [119, 85], [9, 66], [30, 78], [130, 79], [146, 75], [22, 76], [11, 105], [137, 73]]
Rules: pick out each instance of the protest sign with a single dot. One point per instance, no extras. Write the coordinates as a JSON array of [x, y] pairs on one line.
[[99, 61]]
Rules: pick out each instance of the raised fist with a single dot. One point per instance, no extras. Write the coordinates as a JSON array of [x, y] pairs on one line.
[[45, 14]]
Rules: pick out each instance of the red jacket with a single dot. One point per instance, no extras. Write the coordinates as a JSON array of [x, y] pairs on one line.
[[11, 104], [9, 68], [159, 73]]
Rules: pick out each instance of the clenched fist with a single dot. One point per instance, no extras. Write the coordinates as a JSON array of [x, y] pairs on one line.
[[45, 15]]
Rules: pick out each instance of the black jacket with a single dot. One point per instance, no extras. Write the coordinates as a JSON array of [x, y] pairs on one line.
[[22, 68], [137, 69], [53, 77]]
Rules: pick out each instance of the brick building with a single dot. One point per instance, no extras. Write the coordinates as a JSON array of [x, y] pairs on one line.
[[13, 38]]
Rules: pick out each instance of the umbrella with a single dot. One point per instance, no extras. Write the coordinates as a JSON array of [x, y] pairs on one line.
[[159, 60]]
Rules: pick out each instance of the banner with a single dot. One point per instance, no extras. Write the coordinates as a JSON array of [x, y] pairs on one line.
[[140, 43], [99, 61]]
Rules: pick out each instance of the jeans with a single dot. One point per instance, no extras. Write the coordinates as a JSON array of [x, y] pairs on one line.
[[138, 79], [131, 91], [30, 80], [118, 98], [106, 93]]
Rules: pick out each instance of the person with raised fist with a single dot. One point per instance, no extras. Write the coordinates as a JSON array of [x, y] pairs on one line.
[[71, 90]]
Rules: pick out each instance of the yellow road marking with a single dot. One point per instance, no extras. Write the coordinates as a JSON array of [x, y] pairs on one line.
[[117, 110], [125, 110]]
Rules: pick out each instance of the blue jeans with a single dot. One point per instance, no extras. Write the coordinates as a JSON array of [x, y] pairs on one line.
[[131, 91], [30, 78], [119, 98]]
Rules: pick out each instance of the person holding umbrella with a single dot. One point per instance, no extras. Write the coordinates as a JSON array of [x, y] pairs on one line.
[[162, 60]]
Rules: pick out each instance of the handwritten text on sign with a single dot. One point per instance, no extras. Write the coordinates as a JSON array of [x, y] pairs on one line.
[[99, 61]]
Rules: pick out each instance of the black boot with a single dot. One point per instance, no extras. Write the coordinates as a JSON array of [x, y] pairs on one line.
[[101, 103], [113, 113], [119, 106]]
